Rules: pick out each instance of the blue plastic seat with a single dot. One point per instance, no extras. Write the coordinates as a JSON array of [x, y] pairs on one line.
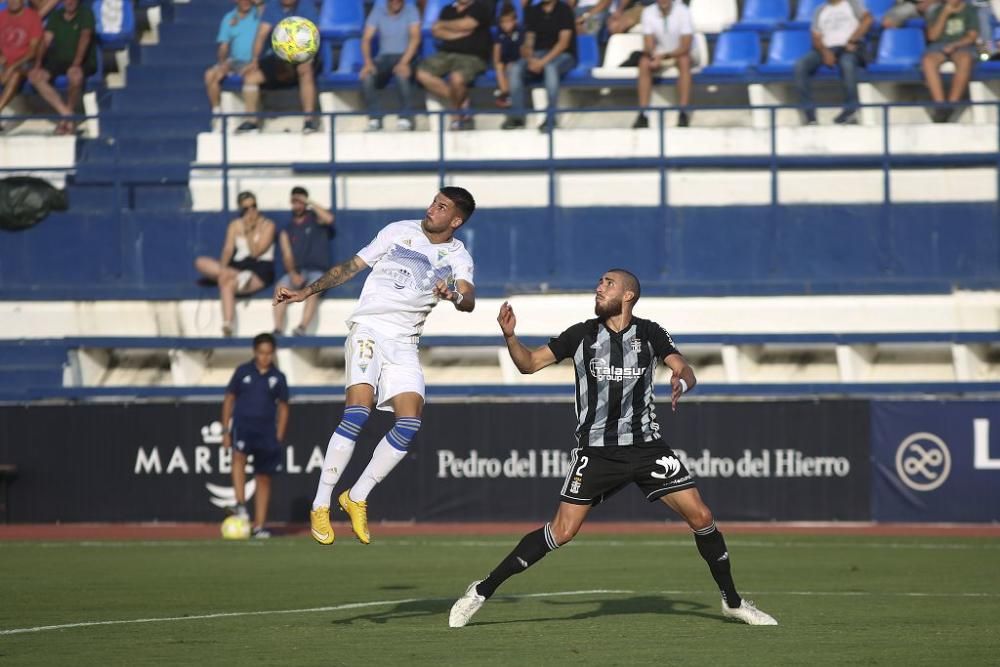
[[787, 47], [899, 51], [587, 57], [736, 52], [804, 14], [431, 12], [878, 8], [763, 15], [350, 63], [110, 37], [340, 20]]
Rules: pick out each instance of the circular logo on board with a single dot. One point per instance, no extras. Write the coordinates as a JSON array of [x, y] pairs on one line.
[[923, 461]]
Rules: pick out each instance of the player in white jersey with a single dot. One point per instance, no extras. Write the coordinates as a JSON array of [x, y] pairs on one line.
[[415, 264]]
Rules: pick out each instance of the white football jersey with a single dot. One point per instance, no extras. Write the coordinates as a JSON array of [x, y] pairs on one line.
[[399, 292]]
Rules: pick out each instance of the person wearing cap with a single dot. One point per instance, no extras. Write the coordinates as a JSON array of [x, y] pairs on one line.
[[305, 250], [246, 264]]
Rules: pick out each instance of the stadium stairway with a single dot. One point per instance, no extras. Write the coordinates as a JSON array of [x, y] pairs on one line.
[[153, 153]]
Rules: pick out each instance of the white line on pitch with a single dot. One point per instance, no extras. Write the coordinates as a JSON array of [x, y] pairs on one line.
[[235, 614]]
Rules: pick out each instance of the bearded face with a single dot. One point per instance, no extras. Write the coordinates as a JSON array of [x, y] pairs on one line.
[[606, 306]]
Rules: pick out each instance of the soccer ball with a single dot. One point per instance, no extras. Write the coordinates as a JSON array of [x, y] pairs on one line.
[[295, 39], [236, 528]]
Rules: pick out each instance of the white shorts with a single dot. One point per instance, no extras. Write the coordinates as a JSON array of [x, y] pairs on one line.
[[390, 366]]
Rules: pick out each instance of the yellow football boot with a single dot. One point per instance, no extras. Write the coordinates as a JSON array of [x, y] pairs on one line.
[[319, 521], [358, 511]]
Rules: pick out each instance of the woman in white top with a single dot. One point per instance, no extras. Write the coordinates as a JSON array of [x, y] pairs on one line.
[[247, 262]]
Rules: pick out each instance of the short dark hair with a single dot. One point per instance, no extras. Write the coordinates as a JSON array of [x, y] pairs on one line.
[[246, 194], [299, 190], [631, 282], [506, 9], [260, 339], [462, 199]]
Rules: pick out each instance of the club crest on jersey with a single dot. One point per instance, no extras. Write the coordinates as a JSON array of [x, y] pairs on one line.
[[271, 381], [636, 344], [442, 254], [602, 371]]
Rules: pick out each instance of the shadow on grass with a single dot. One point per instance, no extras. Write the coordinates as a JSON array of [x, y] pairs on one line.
[[622, 606]]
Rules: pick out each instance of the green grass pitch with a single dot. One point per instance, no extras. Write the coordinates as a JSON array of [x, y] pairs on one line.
[[839, 600]]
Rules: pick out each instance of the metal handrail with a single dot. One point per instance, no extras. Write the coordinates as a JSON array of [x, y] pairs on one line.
[[885, 159]]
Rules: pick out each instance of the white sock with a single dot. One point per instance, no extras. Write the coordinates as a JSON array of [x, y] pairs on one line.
[[338, 455], [384, 459]]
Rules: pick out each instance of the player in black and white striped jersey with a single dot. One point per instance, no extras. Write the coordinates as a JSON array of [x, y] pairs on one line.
[[615, 357]]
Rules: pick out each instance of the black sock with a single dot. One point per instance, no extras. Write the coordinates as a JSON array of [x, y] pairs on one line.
[[528, 551], [712, 548]]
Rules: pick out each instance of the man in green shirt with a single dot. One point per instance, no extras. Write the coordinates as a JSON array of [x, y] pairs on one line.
[[952, 29], [68, 49]]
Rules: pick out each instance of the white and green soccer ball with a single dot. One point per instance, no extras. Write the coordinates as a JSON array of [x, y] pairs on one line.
[[236, 528], [295, 39]]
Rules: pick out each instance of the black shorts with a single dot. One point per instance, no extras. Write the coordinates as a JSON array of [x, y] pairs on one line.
[[261, 268], [263, 445], [58, 68], [597, 473], [280, 73]]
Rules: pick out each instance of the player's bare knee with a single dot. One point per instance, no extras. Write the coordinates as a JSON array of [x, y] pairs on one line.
[[700, 518]]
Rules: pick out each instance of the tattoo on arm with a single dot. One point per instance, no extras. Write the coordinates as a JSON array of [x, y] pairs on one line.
[[338, 275]]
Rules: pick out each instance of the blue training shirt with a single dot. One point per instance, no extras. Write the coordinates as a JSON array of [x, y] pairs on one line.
[[257, 395], [310, 242], [239, 33]]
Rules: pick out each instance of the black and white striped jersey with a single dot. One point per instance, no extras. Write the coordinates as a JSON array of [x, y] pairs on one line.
[[614, 379]]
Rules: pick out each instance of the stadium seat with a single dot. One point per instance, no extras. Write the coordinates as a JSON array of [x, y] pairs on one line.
[[349, 64], [431, 12], [899, 51], [340, 20], [786, 48], [736, 52], [587, 54], [114, 36], [713, 16], [804, 14], [763, 15], [878, 8]]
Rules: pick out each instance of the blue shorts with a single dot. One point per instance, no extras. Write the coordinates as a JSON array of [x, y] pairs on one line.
[[267, 452]]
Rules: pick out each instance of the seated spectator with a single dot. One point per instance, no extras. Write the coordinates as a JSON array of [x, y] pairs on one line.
[[668, 34], [68, 48], [20, 40], [267, 69], [397, 26], [838, 32], [506, 50], [463, 29], [904, 10], [626, 15], [237, 33], [591, 15], [952, 29], [548, 53], [305, 250], [247, 261]]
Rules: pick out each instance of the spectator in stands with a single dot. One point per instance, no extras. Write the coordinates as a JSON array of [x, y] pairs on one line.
[[548, 53], [838, 33], [591, 15], [237, 33], [68, 48], [668, 34], [952, 29], [268, 69], [20, 40], [463, 30], [904, 10], [247, 261], [397, 26], [255, 416], [506, 51], [305, 250], [626, 15]]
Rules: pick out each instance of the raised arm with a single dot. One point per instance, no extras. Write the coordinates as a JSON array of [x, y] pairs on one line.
[[338, 275], [463, 296], [527, 361]]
